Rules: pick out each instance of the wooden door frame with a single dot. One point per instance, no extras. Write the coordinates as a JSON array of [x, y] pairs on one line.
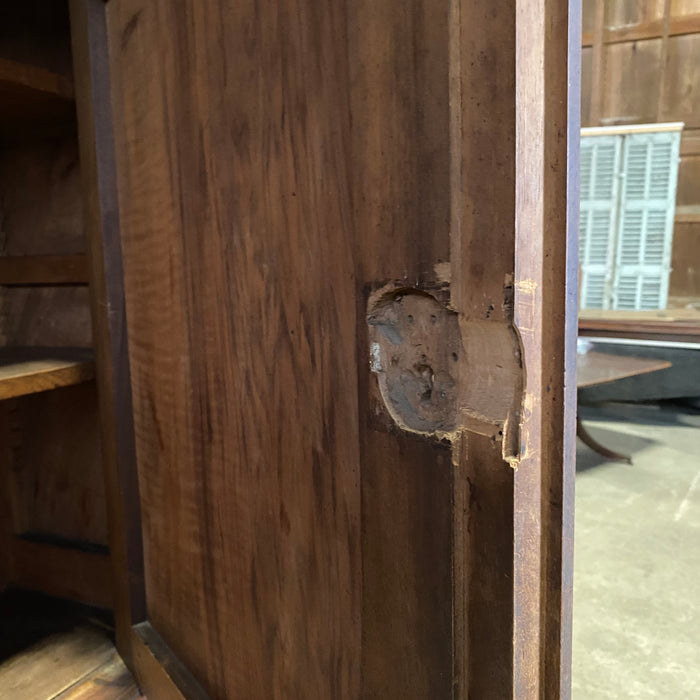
[[148, 657], [101, 211], [543, 102]]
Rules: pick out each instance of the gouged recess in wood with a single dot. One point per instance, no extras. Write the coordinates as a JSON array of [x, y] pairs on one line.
[[526, 285], [415, 349], [443, 271], [440, 374]]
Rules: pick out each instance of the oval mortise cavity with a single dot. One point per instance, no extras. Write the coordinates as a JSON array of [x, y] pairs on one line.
[[415, 350], [440, 374]]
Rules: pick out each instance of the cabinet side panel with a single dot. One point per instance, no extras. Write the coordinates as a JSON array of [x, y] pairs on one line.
[[231, 122]]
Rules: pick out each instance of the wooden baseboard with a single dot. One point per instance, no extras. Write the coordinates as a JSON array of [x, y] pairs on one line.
[[61, 571], [161, 675]]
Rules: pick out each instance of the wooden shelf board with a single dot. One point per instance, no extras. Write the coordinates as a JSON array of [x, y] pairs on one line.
[[31, 370], [15, 73], [43, 269], [66, 572], [34, 100]]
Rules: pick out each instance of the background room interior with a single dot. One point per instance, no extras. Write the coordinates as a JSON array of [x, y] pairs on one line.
[[636, 608]]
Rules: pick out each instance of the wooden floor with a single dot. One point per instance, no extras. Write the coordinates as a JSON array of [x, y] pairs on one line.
[[59, 652]]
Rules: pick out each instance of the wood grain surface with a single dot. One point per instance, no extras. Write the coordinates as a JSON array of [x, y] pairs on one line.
[[399, 155], [43, 216], [482, 256], [240, 290], [546, 274], [42, 205], [52, 459]]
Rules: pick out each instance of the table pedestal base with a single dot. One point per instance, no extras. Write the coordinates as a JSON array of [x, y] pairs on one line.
[[588, 440]]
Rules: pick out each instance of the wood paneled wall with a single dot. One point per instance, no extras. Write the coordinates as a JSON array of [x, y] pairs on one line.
[[641, 63]]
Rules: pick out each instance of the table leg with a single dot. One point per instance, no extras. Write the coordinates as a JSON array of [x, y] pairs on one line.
[[588, 440]]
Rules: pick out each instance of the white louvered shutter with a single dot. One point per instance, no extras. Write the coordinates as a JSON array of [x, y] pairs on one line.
[[645, 232], [600, 167]]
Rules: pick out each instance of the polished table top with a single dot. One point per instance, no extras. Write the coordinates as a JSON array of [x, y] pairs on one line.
[[595, 368]]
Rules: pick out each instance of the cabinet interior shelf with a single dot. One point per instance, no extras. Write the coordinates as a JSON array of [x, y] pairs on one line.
[[26, 371], [34, 100], [25, 270], [18, 75]]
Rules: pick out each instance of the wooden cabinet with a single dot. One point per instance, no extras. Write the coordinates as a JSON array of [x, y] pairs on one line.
[[53, 524], [334, 332]]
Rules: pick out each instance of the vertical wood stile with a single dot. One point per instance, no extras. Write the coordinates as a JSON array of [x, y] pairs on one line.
[[482, 128], [561, 619], [92, 92], [509, 142], [545, 274]]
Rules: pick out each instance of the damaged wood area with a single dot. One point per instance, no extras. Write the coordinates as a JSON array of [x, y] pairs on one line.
[[439, 373]]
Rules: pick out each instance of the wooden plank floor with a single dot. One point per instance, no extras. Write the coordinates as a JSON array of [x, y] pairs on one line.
[[78, 665], [110, 681], [66, 654]]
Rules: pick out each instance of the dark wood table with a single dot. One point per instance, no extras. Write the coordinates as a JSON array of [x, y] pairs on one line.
[[595, 368]]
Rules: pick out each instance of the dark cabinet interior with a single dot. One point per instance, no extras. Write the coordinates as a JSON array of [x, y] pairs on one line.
[[55, 576]]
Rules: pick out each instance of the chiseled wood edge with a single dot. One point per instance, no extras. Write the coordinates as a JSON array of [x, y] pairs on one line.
[[160, 673], [61, 571], [42, 376], [43, 269], [35, 78], [92, 87]]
